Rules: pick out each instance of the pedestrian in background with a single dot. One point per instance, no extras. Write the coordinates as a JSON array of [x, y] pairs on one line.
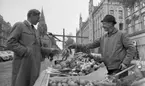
[[116, 48], [25, 42]]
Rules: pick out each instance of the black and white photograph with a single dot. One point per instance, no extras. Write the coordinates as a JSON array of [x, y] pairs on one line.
[[72, 42]]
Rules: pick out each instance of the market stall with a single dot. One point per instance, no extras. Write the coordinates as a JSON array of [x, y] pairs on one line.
[[83, 70]]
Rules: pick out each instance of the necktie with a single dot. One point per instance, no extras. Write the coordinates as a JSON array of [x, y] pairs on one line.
[[33, 28], [34, 31]]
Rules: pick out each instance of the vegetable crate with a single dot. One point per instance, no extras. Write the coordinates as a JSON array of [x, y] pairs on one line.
[[93, 79], [96, 78]]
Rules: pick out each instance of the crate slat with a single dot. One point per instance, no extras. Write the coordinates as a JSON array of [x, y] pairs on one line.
[[100, 74], [43, 79], [139, 82]]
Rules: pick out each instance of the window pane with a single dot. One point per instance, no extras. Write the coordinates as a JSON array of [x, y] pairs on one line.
[[143, 10], [0, 26], [144, 20], [128, 11], [143, 4], [101, 31], [120, 26], [136, 7], [111, 12], [120, 14], [137, 25], [130, 29]]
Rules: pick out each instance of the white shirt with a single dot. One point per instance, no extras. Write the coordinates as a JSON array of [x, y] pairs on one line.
[[30, 23]]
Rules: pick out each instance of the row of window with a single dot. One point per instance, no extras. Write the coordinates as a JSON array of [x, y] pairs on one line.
[[120, 13], [141, 4], [135, 16], [135, 8], [137, 26]]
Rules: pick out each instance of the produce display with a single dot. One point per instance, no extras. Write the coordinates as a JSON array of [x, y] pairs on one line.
[[81, 64], [75, 71]]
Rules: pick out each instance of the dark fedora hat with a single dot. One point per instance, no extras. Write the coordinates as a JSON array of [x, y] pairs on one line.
[[109, 18]]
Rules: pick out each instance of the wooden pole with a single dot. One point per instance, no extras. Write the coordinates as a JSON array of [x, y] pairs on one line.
[[63, 38]]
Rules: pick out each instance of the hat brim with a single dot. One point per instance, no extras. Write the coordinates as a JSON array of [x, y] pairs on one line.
[[108, 21]]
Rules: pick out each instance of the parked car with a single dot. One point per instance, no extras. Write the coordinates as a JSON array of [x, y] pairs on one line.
[[6, 55]]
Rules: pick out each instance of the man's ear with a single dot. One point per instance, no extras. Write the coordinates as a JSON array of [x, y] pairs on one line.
[[112, 24]]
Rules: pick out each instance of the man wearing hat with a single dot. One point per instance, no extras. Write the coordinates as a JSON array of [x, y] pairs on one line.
[[25, 42], [116, 48]]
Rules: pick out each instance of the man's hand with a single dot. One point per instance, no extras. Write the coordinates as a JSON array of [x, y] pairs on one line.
[[122, 66], [28, 52], [71, 46], [65, 53], [55, 51]]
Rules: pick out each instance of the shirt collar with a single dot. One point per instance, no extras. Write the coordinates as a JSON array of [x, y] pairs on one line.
[[113, 32], [29, 23]]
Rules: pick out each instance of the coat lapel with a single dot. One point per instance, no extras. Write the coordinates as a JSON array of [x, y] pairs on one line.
[[28, 26], [34, 31]]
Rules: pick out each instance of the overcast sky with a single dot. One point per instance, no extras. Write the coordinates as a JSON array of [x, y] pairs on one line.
[[58, 14]]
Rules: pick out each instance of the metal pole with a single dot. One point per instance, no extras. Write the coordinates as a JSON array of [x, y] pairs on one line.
[[63, 38], [71, 36], [76, 35], [81, 35]]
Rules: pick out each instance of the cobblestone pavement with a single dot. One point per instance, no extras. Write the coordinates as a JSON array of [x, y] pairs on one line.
[[5, 73], [6, 70]]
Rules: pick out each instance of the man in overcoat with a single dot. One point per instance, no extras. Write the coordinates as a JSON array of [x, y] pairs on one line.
[[25, 42]]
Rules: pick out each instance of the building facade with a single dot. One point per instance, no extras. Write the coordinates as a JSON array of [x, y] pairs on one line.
[[96, 14], [135, 25], [83, 32], [104, 8], [47, 40], [78, 40], [4, 32]]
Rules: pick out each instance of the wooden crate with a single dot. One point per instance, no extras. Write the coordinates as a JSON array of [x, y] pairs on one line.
[[44, 77], [96, 75], [139, 82]]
